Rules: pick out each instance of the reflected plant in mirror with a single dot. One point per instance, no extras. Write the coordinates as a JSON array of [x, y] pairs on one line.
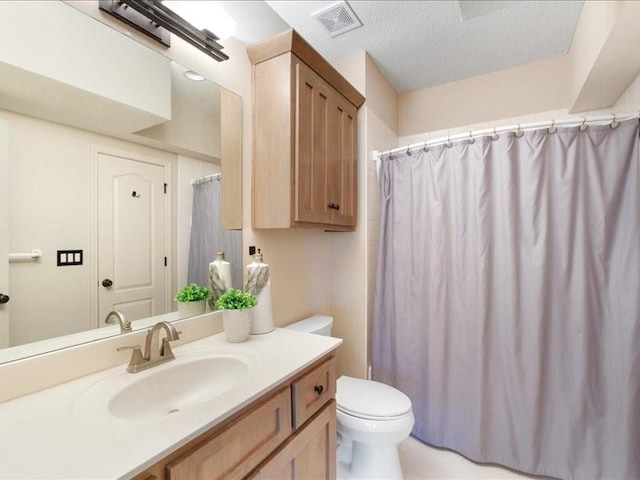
[[104, 154], [192, 300]]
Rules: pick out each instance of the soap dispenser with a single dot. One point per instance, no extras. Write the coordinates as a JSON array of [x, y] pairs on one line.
[[259, 285]]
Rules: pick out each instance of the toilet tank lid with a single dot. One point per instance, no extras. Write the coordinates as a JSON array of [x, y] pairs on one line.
[[312, 324], [369, 399]]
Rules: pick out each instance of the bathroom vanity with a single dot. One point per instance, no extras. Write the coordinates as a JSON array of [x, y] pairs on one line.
[[288, 433], [260, 409]]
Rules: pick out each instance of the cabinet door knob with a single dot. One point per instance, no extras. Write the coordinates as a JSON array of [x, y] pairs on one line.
[[337, 207], [318, 389]]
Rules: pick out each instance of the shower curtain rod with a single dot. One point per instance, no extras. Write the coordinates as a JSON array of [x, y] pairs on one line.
[[517, 129], [213, 176]]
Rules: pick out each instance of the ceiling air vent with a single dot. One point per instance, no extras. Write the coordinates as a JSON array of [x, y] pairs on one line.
[[338, 19]]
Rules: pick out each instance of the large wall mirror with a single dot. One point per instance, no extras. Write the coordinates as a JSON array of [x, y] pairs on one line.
[[111, 146]]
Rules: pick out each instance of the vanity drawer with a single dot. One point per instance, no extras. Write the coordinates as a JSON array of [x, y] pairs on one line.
[[235, 451], [312, 391]]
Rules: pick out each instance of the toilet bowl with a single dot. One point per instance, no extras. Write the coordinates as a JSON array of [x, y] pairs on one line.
[[373, 418]]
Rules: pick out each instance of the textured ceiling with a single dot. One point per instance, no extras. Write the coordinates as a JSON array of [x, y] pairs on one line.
[[419, 44]]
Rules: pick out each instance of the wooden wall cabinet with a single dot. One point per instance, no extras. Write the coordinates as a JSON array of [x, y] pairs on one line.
[[289, 433], [304, 138]]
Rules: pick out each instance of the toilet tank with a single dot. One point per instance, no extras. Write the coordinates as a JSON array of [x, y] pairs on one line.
[[318, 324]]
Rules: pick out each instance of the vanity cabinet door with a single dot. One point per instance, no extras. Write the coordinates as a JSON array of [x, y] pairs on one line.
[[312, 391], [238, 449], [310, 454]]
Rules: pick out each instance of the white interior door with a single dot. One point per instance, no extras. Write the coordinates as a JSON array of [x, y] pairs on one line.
[[4, 233], [132, 240]]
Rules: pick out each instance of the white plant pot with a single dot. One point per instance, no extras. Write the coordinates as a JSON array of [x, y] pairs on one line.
[[237, 324], [191, 309]]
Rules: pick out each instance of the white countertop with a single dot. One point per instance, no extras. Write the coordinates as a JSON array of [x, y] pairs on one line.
[[42, 435]]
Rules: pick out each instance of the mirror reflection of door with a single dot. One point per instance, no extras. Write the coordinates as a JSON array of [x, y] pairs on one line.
[[133, 234], [4, 232]]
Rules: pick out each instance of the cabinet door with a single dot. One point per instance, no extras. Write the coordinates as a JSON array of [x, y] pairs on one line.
[[342, 161], [311, 147], [310, 454], [238, 449]]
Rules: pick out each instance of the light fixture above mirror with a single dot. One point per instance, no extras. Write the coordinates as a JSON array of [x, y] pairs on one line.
[[137, 13]]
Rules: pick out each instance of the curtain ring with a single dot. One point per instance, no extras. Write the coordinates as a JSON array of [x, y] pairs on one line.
[[425, 148], [614, 122], [449, 144], [518, 133], [552, 129], [471, 139], [495, 136], [584, 125], [408, 152]]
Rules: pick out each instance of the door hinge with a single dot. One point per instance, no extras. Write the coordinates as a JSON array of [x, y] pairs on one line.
[[165, 187], [165, 261]]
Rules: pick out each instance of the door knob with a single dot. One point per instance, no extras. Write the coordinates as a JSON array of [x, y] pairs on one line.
[[106, 283], [4, 298]]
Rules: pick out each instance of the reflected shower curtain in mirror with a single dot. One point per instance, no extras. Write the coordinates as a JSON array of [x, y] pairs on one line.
[[208, 236], [508, 298]]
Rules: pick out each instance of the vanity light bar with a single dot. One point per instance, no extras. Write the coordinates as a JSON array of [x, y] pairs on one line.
[[164, 18]]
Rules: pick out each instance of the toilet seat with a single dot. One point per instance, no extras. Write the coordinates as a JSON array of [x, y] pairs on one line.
[[370, 400]]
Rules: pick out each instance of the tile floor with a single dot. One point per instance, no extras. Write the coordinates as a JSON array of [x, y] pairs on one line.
[[422, 462]]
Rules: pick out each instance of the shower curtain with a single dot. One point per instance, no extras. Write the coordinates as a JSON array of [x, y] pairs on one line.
[[208, 236], [508, 298]]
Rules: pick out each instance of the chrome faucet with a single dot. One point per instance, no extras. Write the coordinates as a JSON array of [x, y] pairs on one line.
[[125, 325], [153, 353]]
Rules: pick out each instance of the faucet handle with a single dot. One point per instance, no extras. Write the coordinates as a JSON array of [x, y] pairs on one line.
[[128, 347], [136, 357]]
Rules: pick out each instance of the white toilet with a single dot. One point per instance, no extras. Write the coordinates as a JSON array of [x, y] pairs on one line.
[[373, 418]]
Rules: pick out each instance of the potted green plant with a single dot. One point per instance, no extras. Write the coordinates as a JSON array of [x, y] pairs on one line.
[[192, 300], [237, 314]]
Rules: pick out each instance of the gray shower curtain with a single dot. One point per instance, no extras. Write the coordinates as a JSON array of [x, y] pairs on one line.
[[208, 236], [508, 298]]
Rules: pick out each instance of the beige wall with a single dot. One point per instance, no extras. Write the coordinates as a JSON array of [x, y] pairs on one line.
[[354, 255], [604, 55], [517, 91], [190, 128], [595, 25], [629, 101], [143, 81]]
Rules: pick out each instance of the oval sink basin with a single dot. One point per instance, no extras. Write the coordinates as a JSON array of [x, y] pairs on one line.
[[163, 390]]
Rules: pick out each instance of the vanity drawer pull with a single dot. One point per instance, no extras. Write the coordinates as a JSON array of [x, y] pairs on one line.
[[318, 389]]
